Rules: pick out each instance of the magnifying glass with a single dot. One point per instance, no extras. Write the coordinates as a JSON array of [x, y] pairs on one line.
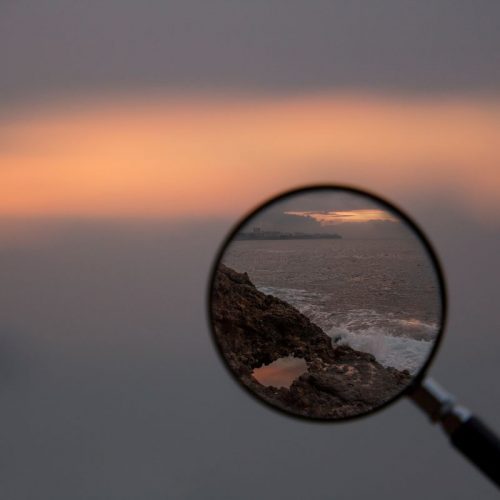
[[329, 303]]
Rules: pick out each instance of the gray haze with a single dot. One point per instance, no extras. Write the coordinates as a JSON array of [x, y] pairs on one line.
[[111, 387], [54, 46]]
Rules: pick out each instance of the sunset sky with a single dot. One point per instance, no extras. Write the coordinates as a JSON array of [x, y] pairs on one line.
[[221, 106], [133, 136], [347, 216], [348, 213], [167, 156]]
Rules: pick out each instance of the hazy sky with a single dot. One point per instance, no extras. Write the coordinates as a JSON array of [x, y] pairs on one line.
[[133, 135], [52, 46], [351, 215], [188, 108]]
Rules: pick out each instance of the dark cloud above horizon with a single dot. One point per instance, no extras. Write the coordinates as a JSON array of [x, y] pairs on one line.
[[275, 220], [51, 47], [278, 221], [276, 217], [328, 199]]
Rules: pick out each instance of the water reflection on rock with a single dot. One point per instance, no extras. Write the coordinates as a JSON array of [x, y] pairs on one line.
[[281, 372]]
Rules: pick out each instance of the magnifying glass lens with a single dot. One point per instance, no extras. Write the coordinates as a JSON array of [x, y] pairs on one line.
[[327, 303]]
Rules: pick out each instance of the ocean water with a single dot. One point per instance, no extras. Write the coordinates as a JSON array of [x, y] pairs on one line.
[[377, 296]]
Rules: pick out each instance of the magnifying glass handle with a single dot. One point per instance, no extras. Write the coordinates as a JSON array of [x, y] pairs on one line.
[[467, 433], [480, 445]]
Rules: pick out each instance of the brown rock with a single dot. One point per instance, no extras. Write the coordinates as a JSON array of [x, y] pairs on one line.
[[254, 329]]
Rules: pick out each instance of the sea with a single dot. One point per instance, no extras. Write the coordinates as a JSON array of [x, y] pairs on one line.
[[379, 296]]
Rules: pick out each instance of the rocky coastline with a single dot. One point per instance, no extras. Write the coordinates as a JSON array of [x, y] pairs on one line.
[[253, 329]]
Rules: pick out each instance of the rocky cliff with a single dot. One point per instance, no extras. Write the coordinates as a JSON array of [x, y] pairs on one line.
[[254, 329]]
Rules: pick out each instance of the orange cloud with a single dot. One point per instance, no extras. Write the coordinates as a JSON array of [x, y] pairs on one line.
[[338, 217], [188, 156]]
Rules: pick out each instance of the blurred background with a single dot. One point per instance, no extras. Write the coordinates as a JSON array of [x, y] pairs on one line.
[[133, 136]]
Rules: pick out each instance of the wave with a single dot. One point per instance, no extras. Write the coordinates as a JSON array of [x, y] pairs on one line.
[[402, 353], [403, 343], [297, 297]]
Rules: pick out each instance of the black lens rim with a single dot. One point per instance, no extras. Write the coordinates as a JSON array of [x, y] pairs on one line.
[[429, 248]]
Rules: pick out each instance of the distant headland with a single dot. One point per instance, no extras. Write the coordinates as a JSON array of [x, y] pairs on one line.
[[257, 234]]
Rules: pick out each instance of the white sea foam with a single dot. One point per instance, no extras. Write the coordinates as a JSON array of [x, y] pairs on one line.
[[402, 353], [398, 342]]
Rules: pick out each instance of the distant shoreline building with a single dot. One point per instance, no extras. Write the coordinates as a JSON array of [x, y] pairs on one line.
[[258, 234]]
